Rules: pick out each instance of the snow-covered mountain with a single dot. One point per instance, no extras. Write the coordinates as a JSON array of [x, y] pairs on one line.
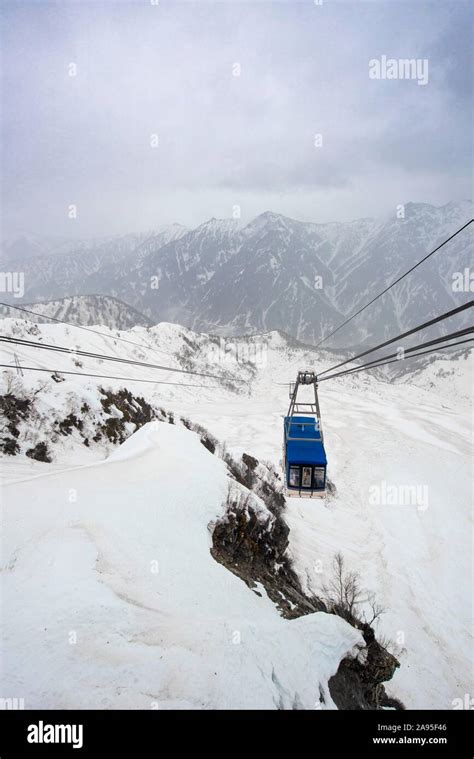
[[57, 268], [114, 490], [85, 310], [273, 273]]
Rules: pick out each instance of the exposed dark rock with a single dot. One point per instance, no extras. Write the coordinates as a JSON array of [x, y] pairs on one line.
[[114, 429], [121, 410], [208, 443], [9, 446], [254, 549], [39, 453], [13, 410], [249, 461], [65, 426], [208, 440], [390, 702], [346, 688], [132, 409], [263, 481], [360, 685]]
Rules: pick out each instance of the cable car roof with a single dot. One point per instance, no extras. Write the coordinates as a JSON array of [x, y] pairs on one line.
[[303, 442]]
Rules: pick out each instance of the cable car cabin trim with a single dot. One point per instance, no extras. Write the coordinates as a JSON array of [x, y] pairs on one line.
[[304, 456]]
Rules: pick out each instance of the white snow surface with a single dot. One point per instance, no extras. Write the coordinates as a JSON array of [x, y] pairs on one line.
[[168, 638], [114, 600]]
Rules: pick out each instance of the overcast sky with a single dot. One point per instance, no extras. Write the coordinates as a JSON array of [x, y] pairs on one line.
[[225, 140]]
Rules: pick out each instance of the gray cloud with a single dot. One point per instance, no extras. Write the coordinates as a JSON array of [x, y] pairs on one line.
[[224, 139]]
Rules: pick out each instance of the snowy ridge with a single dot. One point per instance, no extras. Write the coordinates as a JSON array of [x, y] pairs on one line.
[[85, 310]]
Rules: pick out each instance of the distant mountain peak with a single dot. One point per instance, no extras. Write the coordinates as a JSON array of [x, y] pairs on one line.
[[219, 225], [269, 220], [274, 272]]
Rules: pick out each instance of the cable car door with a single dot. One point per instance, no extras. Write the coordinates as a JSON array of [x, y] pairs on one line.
[[306, 477]]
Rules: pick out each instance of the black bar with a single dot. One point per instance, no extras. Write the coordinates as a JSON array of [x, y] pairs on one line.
[[155, 733]]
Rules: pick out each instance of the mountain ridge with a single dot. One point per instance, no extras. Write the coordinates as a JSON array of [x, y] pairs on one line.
[[274, 272]]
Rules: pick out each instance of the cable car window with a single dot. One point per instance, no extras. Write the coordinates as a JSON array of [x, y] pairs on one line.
[[306, 480], [319, 476], [294, 476]]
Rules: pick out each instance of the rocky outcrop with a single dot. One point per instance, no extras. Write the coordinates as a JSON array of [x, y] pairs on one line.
[[117, 416], [124, 412], [253, 546], [252, 543], [13, 410], [40, 452], [360, 684]]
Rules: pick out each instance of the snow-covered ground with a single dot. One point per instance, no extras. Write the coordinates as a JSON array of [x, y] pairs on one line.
[[416, 556], [400, 458], [112, 600]]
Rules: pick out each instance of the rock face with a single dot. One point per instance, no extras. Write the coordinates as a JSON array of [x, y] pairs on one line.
[[253, 546], [40, 453], [13, 410], [360, 685]]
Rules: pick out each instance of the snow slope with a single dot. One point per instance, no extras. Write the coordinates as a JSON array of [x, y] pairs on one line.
[[417, 561], [114, 601], [414, 431]]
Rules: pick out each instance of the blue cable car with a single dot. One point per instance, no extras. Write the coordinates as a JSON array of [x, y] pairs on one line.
[[304, 456]]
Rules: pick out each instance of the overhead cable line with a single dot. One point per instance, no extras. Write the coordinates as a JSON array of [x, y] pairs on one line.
[[412, 331], [373, 364], [87, 329], [103, 357], [101, 376], [394, 360], [395, 282]]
